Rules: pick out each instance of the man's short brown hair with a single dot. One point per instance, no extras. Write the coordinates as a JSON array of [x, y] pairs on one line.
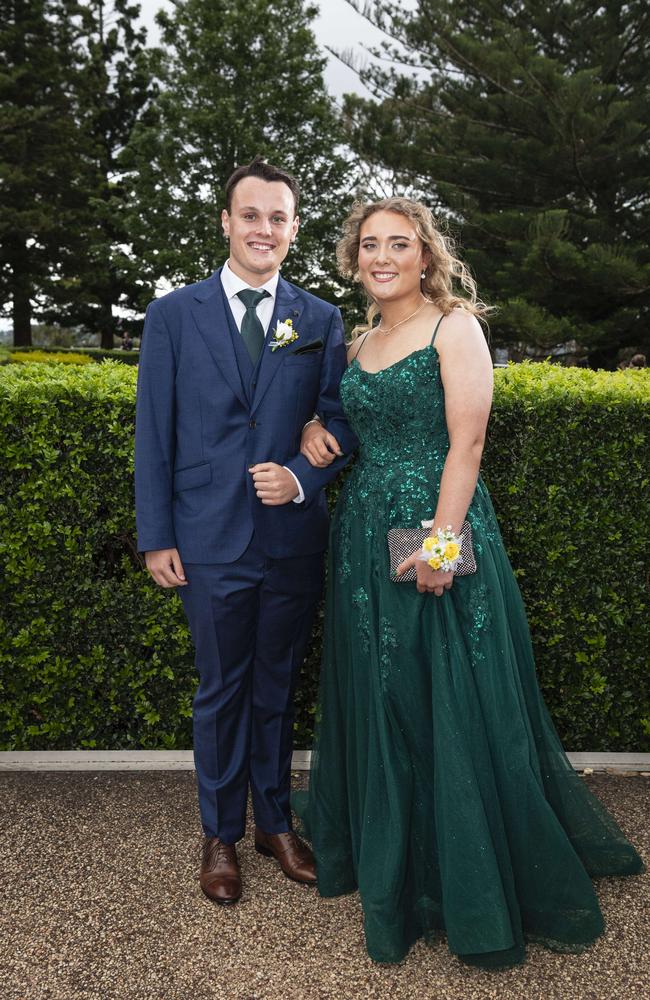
[[260, 168]]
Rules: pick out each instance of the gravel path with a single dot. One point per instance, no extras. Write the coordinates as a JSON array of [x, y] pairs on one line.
[[101, 901]]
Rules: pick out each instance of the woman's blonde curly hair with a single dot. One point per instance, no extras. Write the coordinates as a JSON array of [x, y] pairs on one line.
[[440, 273]]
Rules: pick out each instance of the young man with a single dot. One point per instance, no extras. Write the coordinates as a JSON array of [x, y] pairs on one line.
[[232, 514]]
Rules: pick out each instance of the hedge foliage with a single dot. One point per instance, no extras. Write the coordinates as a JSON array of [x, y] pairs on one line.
[[93, 654], [35, 353], [567, 466], [48, 357]]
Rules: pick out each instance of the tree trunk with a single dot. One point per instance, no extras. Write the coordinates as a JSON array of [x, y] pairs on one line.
[[20, 294], [106, 325]]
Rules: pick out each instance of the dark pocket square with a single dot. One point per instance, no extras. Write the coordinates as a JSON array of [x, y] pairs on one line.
[[313, 345]]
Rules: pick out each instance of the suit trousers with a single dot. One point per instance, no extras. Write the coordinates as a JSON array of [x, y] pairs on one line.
[[251, 622]]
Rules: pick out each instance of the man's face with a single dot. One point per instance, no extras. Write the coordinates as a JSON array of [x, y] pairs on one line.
[[261, 225]]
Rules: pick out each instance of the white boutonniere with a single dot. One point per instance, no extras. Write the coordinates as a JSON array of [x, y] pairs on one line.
[[284, 334]]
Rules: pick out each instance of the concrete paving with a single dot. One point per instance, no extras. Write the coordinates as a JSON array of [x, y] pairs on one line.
[[183, 760], [100, 901]]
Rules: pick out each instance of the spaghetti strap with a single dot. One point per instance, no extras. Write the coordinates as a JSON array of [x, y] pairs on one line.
[[436, 329], [359, 349]]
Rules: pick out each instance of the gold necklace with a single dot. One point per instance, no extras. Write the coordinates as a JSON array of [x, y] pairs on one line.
[[405, 320]]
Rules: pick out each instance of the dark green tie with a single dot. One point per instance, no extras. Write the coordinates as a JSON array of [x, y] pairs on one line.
[[251, 328]]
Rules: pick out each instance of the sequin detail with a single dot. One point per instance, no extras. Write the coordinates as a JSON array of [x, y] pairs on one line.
[[342, 551], [481, 619], [360, 601], [397, 473], [387, 645]]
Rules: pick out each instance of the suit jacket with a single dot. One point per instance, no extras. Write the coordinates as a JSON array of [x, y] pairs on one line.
[[199, 427]]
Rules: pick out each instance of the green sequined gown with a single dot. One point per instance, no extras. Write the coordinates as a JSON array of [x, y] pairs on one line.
[[439, 788]]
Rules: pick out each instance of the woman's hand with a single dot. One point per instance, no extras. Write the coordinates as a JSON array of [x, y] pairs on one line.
[[318, 446], [432, 581]]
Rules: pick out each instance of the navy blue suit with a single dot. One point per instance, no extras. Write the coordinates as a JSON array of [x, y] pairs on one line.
[[204, 415]]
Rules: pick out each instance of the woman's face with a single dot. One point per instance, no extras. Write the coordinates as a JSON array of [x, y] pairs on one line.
[[391, 256]]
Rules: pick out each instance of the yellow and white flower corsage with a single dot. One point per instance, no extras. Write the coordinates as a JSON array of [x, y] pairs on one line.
[[283, 334], [441, 549]]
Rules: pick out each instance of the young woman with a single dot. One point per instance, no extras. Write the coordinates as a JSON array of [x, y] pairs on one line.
[[439, 787]]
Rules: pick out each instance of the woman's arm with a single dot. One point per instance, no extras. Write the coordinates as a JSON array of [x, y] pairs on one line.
[[318, 446], [467, 377]]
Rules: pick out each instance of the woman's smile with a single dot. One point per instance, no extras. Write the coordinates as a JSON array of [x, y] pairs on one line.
[[384, 276]]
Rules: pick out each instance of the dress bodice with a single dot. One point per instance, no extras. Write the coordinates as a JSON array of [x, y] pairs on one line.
[[398, 415]]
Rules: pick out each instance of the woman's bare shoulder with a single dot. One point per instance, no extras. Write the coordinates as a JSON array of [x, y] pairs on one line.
[[355, 346], [460, 331]]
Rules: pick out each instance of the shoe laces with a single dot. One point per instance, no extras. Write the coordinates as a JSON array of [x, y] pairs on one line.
[[215, 852]]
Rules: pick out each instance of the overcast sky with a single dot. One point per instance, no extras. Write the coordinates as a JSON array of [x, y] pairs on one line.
[[337, 25]]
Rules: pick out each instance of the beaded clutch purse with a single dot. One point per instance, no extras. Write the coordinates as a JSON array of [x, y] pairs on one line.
[[403, 542]]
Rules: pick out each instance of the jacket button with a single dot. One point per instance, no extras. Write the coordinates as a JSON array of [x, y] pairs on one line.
[[252, 425]]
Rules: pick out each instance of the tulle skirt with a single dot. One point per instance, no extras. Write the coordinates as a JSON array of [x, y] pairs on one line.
[[439, 788]]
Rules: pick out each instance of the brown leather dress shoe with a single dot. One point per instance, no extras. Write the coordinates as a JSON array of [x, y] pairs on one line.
[[295, 858], [220, 878]]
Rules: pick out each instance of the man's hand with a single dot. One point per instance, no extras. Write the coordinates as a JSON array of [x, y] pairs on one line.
[[432, 581], [274, 484], [166, 567], [318, 446]]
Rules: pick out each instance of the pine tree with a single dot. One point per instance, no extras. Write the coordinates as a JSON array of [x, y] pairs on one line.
[[38, 197], [112, 86], [237, 78], [527, 124]]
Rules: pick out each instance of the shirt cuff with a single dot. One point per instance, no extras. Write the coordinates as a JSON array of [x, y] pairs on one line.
[[301, 496]]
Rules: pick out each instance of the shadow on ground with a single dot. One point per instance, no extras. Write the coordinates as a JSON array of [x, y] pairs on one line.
[[101, 902]]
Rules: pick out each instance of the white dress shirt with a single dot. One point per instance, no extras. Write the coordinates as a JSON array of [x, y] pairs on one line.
[[232, 284]]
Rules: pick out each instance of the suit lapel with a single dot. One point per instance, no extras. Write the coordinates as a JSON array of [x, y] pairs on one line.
[[287, 306], [209, 312]]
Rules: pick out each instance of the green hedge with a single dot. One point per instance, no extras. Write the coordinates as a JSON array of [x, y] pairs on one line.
[[93, 654], [567, 466], [94, 353], [48, 357]]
